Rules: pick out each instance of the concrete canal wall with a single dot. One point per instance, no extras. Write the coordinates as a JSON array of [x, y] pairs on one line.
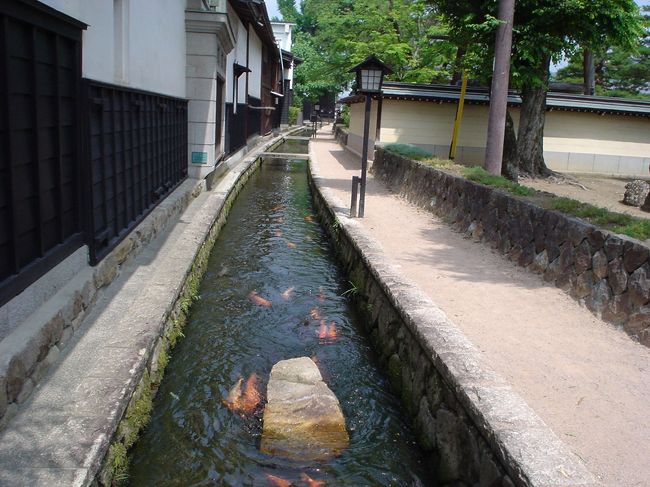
[[477, 430], [118, 323], [608, 273]]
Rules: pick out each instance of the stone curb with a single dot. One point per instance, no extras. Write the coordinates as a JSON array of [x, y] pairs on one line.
[[524, 445], [32, 347], [62, 435], [607, 273]]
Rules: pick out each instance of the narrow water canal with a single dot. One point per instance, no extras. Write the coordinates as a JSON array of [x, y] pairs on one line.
[[272, 244]]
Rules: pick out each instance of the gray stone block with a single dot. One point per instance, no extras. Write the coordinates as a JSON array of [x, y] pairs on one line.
[[638, 285], [617, 276], [599, 264], [634, 255]]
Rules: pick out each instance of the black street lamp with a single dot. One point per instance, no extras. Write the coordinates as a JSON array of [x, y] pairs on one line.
[[370, 76]]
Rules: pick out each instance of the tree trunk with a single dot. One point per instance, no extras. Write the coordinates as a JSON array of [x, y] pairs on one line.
[[530, 137], [589, 73], [509, 166]]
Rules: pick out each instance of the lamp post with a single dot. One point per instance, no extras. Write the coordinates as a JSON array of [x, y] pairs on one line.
[[317, 108], [369, 76]]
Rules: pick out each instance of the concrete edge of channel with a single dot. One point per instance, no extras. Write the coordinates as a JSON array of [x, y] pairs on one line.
[[528, 449], [34, 346], [219, 202], [201, 233]]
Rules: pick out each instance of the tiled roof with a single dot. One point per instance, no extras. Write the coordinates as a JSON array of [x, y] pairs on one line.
[[480, 96]]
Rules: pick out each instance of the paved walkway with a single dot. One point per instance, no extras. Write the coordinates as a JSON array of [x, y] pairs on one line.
[[588, 381]]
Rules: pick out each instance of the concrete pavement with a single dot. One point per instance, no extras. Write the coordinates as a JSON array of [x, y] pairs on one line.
[[587, 380]]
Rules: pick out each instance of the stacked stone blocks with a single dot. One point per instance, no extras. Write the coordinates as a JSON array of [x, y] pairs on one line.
[[475, 429], [608, 273]]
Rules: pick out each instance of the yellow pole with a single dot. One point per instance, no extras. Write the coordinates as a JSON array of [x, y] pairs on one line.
[[459, 117]]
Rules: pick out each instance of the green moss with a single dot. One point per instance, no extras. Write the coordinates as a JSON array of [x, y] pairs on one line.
[[138, 414], [352, 291], [118, 462], [637, 229], [161, 363], [616, 222], [410, 151], [480, 175], [435, 162]]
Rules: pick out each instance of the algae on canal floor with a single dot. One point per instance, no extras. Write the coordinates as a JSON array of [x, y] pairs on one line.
[[272, 248]]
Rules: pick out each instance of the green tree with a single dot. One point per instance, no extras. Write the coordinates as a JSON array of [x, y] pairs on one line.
[[619, 72], [288, 10], [334, 35], [544, 30]]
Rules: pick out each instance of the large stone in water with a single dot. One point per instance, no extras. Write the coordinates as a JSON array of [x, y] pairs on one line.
[[303, 418]]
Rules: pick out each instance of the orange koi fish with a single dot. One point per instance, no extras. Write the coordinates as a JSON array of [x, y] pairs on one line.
[[278, 481], [331, 331], [251, 397], [327, 332], [278, 233], [311, 482], [287, 293], [277, 208], [320, 297], [315, 314], [309, 218], [259, 300], [233, 401], [291, 245], [322, 330]]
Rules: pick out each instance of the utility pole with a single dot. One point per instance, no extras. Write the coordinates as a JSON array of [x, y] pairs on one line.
[[499, 90]]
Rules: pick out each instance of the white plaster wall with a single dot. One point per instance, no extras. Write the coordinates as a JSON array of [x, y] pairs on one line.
[[237, 55], [590, 132], [355, 135], [98, 59], [155, 37], [573, 141], [282, 31], [255, 65], [157, 46]]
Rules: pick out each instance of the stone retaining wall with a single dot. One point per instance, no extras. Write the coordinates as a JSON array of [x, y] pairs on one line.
[[41, 332], [608, 273], [31, 349], [475, 428], [341, 135], [138, 404]]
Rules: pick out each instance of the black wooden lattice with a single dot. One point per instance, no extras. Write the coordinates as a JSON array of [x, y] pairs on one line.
[[40, 73], [137, 156]]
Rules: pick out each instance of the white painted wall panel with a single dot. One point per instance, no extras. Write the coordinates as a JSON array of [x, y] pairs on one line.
[[603, 134], [573, 141], [98, 59], [154, 34], [157, 46], [255, 65], [237, 55]]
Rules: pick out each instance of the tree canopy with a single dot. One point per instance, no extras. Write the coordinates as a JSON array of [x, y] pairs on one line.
[[619, 71], [543, 31], [428, 40], [334, 35]]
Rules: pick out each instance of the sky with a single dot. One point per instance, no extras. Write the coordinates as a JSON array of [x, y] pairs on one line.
[[272, 6]]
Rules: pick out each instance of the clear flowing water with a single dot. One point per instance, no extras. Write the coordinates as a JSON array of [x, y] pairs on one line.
[[271, 242], [292, 146]]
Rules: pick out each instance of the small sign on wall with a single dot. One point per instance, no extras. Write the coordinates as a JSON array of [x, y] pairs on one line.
[[199, 157]]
